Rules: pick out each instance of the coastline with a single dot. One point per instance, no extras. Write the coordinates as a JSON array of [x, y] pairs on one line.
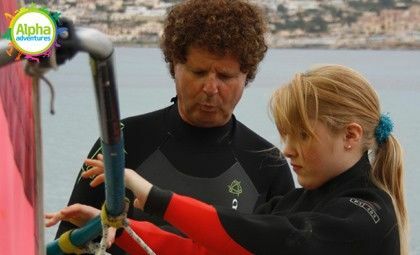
[[403, 47], [291, 25]]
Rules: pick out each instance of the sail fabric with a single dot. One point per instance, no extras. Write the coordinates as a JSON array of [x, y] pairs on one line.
[[18, 234]]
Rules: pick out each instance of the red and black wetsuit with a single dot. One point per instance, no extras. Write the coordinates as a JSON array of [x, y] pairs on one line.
[[347, 215], [228, 166]]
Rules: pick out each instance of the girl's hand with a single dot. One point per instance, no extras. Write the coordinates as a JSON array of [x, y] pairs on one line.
[[96, 170], [76, 214], [137, 184]]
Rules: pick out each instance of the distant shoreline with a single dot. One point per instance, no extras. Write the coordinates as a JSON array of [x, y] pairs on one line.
[[301, 47]]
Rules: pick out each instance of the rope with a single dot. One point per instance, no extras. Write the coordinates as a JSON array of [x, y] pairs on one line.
[[50, 86], [101, 250], [119, 221], [37, 71], [110, 221], [92, 247], [138, 240], [114, 221]]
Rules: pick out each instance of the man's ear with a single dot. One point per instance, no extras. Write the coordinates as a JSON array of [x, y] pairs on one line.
[[353, 135]]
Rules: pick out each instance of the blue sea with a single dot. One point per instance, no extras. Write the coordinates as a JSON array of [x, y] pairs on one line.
[[145, 85]]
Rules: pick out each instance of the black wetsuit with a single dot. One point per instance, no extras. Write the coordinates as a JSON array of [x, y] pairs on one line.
[[229, 166], [348, 215]]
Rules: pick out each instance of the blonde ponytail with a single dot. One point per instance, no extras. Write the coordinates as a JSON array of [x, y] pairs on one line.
[[388, 174]]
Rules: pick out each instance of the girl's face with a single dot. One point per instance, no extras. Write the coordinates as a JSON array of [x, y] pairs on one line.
[[316, 160]]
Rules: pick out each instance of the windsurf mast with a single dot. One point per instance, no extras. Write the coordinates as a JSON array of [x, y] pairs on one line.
[[100, 50]]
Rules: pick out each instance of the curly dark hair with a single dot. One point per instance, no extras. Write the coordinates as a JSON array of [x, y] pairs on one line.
[[220, 26]]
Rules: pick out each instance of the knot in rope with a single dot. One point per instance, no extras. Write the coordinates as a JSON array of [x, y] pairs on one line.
[[117, 221]]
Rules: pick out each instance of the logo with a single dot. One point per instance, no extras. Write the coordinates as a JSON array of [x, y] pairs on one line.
[[368, 207], [235, 204], [235, 188], [32, 32]]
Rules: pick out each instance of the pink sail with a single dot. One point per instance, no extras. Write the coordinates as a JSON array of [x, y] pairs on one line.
[[18, 211]]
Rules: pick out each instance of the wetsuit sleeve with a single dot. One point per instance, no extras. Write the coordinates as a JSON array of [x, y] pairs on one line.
[[160, 241], [202, 223], [342, 227]]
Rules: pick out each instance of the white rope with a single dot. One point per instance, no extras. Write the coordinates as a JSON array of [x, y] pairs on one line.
[[100, 248], [92, 247], [102, 245], [137, 238]]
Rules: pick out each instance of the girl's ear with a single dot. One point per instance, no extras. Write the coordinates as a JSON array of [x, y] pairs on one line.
[[353, 135]]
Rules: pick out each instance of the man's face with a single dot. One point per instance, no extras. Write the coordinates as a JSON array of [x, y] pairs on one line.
[[208, 87]]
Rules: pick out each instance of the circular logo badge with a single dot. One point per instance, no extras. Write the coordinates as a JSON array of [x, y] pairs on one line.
[[32, 32]]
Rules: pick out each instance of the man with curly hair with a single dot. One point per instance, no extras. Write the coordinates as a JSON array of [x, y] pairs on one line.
[[196, 147]]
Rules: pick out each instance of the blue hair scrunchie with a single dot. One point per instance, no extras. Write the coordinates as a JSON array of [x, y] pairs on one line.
[[384, 128]]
